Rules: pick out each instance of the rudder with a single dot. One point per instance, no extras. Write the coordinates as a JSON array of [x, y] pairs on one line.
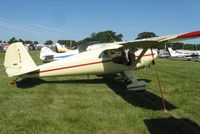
[[18, 61]]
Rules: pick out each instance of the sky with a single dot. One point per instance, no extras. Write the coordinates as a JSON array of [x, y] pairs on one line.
[[42, 20]]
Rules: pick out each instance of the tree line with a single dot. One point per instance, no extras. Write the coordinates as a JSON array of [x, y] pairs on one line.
[[104, 37]]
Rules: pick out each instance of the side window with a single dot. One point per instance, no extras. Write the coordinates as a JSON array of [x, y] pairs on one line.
[[104, 54]]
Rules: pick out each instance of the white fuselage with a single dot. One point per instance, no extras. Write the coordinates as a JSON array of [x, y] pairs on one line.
[[182, 53], [47, 55]]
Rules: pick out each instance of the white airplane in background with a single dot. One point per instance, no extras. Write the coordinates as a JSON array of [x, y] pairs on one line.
[[176, 53], [163, 53], [110, 58], [47, 55], [187, 54]]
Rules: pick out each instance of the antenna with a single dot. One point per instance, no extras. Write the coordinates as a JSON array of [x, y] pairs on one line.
[[110, 36]]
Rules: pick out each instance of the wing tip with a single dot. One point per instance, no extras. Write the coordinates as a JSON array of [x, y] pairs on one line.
[[190, 34]]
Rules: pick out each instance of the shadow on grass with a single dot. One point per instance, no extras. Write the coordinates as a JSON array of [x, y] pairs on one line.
[[141, 99], [171, 125], [29, 82], [32, 82]]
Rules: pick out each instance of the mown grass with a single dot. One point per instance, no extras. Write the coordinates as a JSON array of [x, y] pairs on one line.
[[83, 104]]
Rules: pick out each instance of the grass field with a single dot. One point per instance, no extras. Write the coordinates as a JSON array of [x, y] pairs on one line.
[[83, 104]]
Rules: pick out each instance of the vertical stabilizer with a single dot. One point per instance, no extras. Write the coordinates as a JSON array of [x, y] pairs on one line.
[[45, 52], [61, 49], [18, 61], [172, 52]]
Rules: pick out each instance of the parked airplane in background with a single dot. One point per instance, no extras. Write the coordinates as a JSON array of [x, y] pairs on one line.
[[174, 53], [163, 53], [111, 58], [189, 51], [47, 55], [187, 54]]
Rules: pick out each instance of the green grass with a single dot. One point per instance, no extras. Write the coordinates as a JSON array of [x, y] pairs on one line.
[[82, 104]]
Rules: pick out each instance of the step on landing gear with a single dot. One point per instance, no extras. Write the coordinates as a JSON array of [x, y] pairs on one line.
[[135, 84]]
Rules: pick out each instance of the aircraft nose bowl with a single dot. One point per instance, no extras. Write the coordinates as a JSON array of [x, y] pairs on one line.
[[155, 52]]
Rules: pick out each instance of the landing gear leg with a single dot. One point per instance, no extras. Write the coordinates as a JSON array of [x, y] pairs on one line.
[[135, 84]]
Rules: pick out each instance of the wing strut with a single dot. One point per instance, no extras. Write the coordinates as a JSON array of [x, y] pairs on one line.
[[141, 54], [159, 85]]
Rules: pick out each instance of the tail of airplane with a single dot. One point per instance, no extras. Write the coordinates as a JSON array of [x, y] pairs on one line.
[[172, 52], [18, 61], [45, 52], [61, 49]]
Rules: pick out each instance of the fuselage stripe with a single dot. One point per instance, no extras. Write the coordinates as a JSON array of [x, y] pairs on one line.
[[86, 64]]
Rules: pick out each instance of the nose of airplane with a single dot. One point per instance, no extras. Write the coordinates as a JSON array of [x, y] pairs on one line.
[[155, 52]]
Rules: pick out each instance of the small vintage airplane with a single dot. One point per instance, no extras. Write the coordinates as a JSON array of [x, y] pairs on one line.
[[109, 58], [47, 55], [183, 53]]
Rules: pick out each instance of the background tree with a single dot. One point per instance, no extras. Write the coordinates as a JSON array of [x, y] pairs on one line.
[[85, 41], [1, 46], [35, 42], [190, 47], [28, 42], [103, 37], [106, 36], [48, 42], [20, 40], [31, 47], [198, 46], [67, 43], [146, 35], [175, 45], [12, 40]]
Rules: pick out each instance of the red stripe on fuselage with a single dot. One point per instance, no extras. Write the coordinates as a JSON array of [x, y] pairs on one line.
[[92, 63], [74, 66]]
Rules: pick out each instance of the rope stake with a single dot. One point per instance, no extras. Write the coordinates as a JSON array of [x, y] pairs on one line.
[[159, 84]]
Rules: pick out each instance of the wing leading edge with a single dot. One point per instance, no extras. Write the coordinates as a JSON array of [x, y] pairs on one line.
[[150, 42]]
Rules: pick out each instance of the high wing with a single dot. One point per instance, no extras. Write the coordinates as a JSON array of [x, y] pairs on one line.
[[147, 43], [150, 42]]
